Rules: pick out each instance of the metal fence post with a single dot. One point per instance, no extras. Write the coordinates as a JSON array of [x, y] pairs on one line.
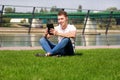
[[31, 19], [1, 15], [109, 21], [1, 21], [87, 15]]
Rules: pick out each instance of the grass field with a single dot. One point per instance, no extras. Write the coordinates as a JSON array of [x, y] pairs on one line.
[[87, 64]]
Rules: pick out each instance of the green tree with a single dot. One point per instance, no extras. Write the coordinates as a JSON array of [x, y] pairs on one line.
[[9, 10], [36, 10], [79, 8], [6, 21], [42, 10], [54, 9], [112, 9]]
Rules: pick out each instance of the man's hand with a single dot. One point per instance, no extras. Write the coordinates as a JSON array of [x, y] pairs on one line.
[[46, 33], [53, 31]]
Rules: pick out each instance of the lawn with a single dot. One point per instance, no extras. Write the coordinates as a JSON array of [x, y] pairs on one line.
[[87, 64]]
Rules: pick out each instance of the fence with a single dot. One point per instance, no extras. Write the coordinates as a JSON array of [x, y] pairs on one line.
[[23, 25]]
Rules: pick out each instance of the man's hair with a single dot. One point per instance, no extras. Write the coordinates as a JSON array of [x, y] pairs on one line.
[[62, 12]]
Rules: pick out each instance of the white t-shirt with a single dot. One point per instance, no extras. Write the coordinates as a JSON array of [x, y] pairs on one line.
[[68, 29]]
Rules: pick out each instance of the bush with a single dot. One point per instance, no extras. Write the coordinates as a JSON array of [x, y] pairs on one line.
[[5, 22]]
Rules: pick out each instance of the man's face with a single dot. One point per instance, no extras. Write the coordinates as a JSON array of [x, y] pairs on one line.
[[62, 20]]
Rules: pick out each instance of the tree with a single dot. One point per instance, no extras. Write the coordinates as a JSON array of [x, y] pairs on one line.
[[41, 10], [9, 10], [54, 9], [13, 9], [79, 8], [36, 10], [45, 10], [116, 20], [111, 9], [6, 21]]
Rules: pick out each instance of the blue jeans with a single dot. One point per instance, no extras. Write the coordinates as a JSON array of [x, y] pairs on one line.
[[63, 48]]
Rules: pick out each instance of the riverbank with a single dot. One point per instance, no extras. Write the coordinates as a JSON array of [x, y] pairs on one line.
[[41, 30]]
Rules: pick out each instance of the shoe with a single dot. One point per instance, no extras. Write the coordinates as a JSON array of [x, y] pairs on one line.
[[39, 54], [48, 54]]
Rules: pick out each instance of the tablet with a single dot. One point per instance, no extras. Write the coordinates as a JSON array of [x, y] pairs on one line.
[[50, 26]]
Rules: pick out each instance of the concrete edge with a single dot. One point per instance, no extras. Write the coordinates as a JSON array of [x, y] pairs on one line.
[[39, 47]]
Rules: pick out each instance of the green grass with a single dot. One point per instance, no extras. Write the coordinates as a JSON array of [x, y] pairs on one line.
[[89, 64]]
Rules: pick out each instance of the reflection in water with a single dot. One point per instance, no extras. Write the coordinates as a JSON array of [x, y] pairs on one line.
[[99, 39], [32, 40], [90, 40], [107, 41], [83, 40], [7, 40]]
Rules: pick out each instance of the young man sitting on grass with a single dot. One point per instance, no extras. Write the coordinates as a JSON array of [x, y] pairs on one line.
[[66, 34]]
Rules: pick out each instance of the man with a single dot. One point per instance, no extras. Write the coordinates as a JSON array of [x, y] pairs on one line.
[[65, 33]]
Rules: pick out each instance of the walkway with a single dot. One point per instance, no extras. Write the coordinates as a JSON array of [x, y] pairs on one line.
[[38, 47]]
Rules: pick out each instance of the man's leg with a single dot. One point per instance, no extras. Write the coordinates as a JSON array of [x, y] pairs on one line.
[[69, 49], [46, 44], [60, 47]]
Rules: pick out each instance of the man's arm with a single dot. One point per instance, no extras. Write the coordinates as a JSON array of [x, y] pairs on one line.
[[71, 34], [46, 34]]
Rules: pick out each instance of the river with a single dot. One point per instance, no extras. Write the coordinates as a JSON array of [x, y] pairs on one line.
[[12, 40]]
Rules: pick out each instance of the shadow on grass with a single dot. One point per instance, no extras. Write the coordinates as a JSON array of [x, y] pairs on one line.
[[43, 55], [78, 54]]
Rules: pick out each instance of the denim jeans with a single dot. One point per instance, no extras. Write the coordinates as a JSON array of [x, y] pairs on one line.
[[63, 48]]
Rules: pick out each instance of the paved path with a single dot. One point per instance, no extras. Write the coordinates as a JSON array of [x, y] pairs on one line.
[[38, 47]]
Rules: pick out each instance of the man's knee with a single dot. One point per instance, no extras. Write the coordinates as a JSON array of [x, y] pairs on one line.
[[42, 39], [66, 39]]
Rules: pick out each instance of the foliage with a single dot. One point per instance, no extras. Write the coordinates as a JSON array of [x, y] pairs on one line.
[[111, 9], [43, 10], [103, 23], [79, 8], [9, 10], [54, 9], [5, 22]]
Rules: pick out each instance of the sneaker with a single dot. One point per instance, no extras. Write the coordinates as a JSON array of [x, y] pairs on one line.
[[48, 54]]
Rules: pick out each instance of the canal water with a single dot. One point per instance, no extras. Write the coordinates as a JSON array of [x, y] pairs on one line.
[[12, 40]]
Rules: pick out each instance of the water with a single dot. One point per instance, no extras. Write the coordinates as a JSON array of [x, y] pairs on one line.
[[12, 40], [99, 40]]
